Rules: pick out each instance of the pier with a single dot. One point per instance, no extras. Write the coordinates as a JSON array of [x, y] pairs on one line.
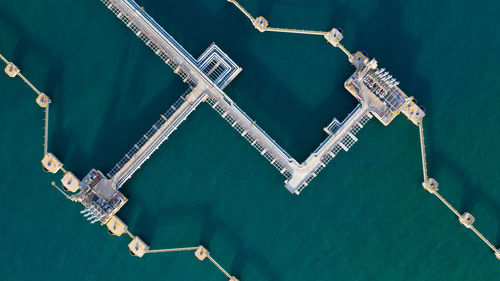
[[381, 97], [206, 77], [209, 74]]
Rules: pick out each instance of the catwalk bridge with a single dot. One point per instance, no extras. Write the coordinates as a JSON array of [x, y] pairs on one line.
[[376, 90]]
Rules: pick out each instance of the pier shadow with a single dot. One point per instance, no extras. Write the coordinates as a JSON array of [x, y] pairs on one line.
[[145, 225], [473, 192], [398, 63], [383, 38], [25, 44], [66, 145], [337, 19], [400, 60], [120, 130], [51, 84], [270, 96]]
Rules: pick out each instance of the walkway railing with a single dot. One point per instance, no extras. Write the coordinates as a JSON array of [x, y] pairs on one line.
[[261, 24], [422, 149]]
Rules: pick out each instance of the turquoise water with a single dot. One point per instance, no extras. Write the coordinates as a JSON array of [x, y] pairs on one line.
[[365, 217]]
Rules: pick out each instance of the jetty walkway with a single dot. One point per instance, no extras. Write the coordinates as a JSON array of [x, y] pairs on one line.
[[154, 137], [376, 90], [209, 74]]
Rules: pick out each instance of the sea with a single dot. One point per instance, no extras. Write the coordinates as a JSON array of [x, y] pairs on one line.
[[365, 217]]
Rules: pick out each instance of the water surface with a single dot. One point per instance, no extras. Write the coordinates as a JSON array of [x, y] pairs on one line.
[[365, 217]]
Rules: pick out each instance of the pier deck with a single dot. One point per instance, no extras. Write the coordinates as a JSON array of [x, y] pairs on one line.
[[214, 70], [158, 133], [192, 72]]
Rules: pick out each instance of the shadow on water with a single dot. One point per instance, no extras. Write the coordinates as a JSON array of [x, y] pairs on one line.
[[62, 140], [119, 132], [266, 88], [269, 88], [263, 7], [66, 137], [51, 85], [244, 255], [473, 192], [212, 225], [394, 48], [400, 59], [397, 51], [148, 219], [25, 43]]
